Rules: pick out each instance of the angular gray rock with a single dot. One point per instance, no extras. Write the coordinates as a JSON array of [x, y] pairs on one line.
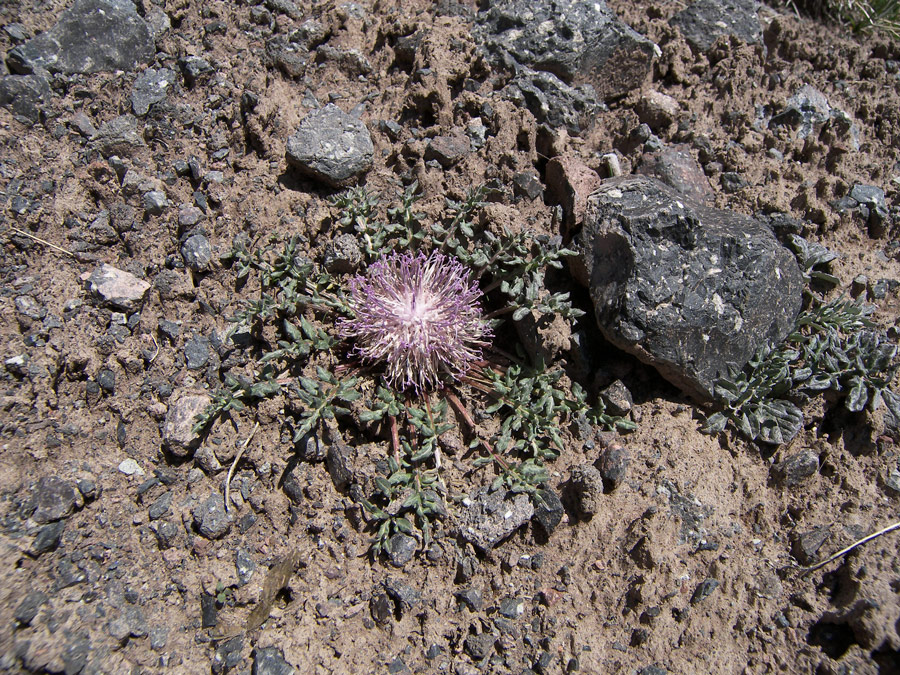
[[120, 136], [401, 549], [269, 661], [197, 252], [489, 517], [686, 288], [178, 429], [24, 95], [586, 486], [47, 538], [194, 68], [578, 42], [807, 112], [28, 608], [447, 150], [703, 590], [480, 646], [53, 499], [117, 288], [151, 86], [613, 465], [797, 467], [160, 507], [703, 22], [805, 545], [343, 254], [331, 146], [617, 398], [549, 510], [676, 167], [92, 36], [553, 102], [154, 202], [210, 517]]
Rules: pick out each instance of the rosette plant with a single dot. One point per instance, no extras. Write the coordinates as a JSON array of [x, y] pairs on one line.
[[403, 351]]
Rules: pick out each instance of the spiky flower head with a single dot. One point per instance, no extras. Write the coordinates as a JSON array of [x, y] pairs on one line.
[[419, 315]]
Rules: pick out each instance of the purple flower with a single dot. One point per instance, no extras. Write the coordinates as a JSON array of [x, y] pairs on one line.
[[419, 315]]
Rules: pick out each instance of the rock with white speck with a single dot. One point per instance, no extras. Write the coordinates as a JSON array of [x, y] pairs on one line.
[[688, 289], [211, 519], [487, 518], [704, 21], [401, 549], [91, 36], [331, 146], [151, 86], [117, 288], [197, 252], [269, 661], [575, 41]]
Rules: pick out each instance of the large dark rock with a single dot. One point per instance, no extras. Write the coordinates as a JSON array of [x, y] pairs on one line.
[[578, 42], [686, 288], [703, 22], [92, 36], [331, 146]]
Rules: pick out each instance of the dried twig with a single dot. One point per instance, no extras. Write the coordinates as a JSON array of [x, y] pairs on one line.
[[845, 551], [156, 346], [41, 241], [237, 458]]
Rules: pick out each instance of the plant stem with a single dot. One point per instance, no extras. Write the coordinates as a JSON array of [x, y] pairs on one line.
[[458, 406], [237, 458], [845, 551], [395, 438]]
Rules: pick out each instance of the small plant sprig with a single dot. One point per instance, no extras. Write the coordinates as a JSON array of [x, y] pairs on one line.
[[234, 396], [414, 486], [833, 347], [321, 398], [532, 407]]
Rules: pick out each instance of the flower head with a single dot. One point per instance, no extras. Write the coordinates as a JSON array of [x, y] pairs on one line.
[[419, 315]]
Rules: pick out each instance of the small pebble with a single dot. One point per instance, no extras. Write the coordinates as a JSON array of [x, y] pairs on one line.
[[130, 467]]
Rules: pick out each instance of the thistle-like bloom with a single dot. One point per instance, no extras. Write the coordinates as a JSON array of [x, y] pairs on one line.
[[419, 315]]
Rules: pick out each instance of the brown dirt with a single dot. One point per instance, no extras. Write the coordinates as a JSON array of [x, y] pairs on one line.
[[613, 593]]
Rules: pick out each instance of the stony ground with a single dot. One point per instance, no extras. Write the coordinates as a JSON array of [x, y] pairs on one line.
[[139, 166]]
